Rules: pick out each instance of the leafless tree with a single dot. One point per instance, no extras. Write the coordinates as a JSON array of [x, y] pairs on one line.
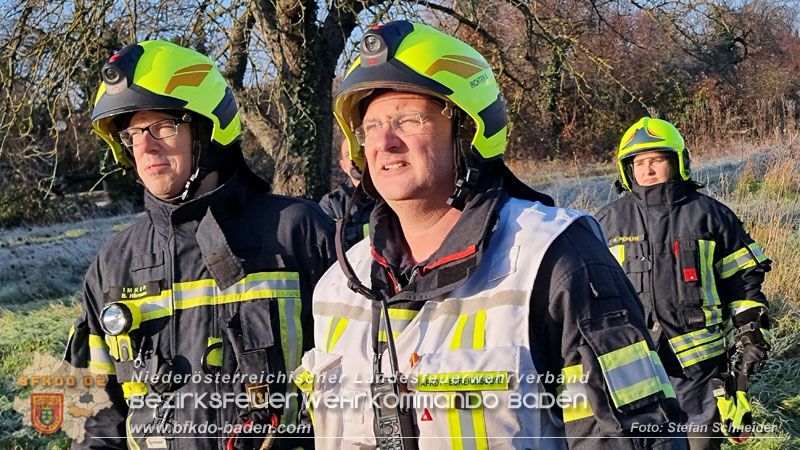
[[573, 71]]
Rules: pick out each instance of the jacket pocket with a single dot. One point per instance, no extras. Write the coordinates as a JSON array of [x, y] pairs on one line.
[[249, 334], [697, 284], [636, 263], [148, 267], [319, 377], [147, 260], [473, 395], [634, 378], [688, 272], [265, 335]]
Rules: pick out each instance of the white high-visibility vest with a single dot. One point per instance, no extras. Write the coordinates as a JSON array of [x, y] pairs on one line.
[[466, 355]]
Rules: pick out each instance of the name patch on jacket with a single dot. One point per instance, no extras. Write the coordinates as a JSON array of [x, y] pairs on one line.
[[134, 292], [617, 239], [465, 381]]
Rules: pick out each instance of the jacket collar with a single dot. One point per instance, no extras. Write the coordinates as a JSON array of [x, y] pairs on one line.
[[225, 200], [209, 211], [664, 194], [364, 206], [449, 266]]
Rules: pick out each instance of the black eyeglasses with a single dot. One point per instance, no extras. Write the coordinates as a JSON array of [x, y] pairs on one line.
[[162, 129]]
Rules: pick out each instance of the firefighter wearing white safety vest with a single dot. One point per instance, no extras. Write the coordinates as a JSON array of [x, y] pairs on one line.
[[474, 304], [200, 310], [698, 274]]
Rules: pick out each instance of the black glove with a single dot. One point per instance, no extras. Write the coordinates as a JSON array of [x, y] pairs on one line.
[[752, 349]]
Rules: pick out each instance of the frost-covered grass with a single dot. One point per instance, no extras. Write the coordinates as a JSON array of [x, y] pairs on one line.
[[39, 264], [41, 271]]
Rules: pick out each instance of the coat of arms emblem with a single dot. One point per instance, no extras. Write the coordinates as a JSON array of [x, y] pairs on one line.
[[47, 412]]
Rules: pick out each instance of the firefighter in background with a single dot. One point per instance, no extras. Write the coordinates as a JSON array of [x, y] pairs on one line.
[[209, 293], [471, 283], [335, 203], [698, 274]]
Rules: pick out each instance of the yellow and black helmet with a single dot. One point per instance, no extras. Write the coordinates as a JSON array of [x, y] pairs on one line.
[[649, 135], [153, 75], [413, 57]]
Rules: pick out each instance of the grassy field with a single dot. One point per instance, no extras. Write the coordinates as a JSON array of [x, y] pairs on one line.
[[41, 271]]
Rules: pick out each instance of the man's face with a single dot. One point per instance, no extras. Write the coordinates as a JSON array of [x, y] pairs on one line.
[[164, 165], [651, 168], [346, 164], [415, 163]]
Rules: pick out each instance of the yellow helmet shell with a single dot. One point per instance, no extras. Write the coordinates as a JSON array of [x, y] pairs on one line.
[[412, 57], [154, 75], [648, 135]]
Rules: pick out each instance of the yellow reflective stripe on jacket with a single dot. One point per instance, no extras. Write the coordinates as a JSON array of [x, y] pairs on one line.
[[693, 339], [365, 230], [131, 441], [743, 305], [154, 306], [574, 390], [619, 252], [100, 361], [102, 368], [361, 314], [191, 294], [399, 319], [630, 373], [692, 348], [470, 332], [702, 352], [728, 334], [256, 285], [767, 336], [467, 427], [666, 386], [69, 344], [291, 278], [741, 259], [292, 346], [336, 326], [757, 251], [711, 301]]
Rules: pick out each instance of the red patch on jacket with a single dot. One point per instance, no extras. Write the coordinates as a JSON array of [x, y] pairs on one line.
[[426, 416]]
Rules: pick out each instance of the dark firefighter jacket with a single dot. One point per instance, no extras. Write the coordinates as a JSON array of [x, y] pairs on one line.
[[236, 266], [334, 204], [579, 291], [693, 266]]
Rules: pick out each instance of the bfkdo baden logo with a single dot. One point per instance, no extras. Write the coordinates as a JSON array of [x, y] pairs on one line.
[[47, 412]]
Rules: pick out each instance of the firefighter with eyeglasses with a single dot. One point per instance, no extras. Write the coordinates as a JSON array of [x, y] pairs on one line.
[[474, 300], [698, 275], [199, 310]]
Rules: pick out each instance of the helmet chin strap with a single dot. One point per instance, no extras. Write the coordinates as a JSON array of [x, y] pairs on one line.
[[466, 167], [199, 171], [193, 183]]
